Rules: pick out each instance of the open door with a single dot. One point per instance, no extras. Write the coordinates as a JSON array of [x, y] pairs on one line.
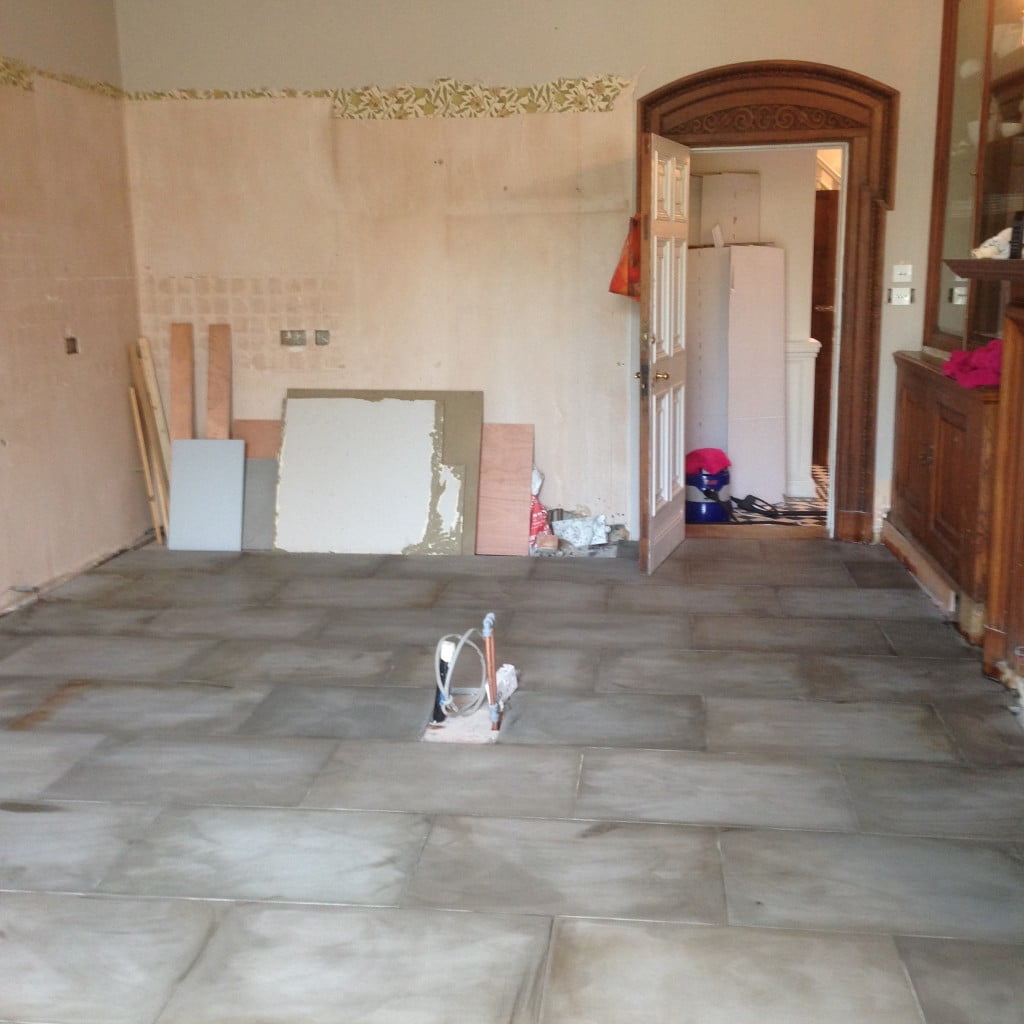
[[664, 219]]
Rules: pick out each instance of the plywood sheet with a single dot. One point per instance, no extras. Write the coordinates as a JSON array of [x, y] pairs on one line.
[[207, 479], [262, 437], [181, 421], [218, 383], [458, 419], [380, 472], [506, 469]]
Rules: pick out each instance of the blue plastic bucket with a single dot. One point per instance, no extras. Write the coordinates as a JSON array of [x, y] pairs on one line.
[[708, 497]]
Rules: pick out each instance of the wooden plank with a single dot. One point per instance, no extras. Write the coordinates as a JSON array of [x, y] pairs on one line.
[[218, 383], [506, 470], [182, 414], [152, 400], [159, 468], [262, 437], [140, 437]]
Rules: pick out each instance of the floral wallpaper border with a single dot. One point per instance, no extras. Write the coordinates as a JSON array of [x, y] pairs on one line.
[[446, 97]]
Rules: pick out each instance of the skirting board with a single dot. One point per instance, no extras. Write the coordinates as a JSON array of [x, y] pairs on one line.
[[206, 495]]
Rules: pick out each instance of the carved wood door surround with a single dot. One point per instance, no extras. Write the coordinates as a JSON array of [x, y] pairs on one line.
[[768, 103]]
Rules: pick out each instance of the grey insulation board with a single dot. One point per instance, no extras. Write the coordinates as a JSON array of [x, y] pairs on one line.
[[207, 480], [258, 507]]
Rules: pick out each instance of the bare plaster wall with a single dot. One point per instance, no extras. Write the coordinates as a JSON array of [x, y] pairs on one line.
[[71, 487], [68, 37], [441, 253], [326, 44]]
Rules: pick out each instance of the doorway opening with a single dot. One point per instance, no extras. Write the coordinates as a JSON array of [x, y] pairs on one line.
[[780, 103], [790, 199]]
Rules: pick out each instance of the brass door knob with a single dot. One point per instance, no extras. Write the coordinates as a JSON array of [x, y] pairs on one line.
[[662, 376]]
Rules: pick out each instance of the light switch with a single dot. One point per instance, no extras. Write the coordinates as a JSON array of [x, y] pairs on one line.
[[902, 273]]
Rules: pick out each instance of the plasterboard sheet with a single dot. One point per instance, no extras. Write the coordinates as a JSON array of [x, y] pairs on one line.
[[367, 473], [258, 508], [207, 480], [458, 419]]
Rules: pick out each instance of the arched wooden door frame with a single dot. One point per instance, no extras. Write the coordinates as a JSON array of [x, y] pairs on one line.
[[770, 103]]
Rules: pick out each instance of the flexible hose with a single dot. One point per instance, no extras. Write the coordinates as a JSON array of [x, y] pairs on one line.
[[477, 696]]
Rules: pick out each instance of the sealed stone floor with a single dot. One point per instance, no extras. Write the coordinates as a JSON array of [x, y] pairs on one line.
[[767, 784]]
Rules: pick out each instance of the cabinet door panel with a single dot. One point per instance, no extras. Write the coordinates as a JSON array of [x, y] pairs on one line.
[[955, 487]]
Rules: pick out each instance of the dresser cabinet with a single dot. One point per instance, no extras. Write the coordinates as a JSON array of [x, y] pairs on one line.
[[943, 470]]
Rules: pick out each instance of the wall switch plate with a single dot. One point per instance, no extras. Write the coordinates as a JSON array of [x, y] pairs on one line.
[[71, 345], [902, 273], [901, 296], [293, 339], [321, 337], [958, 295]]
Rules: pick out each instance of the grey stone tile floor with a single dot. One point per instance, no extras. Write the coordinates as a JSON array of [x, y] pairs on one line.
[[768, 784]]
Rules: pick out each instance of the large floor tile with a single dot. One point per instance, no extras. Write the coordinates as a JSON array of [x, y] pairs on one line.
[[643, 720], [224, 770], [483, 595], [670, 785], [292, 565], [937, 800], [598, 869], [56, 847], [765, 573], [450, 779], [22, 696], [668, 600], [53, 617], [966, 982], [864, 883], [31, 761], [824, 729], [373, 713], [385, 594], [884, 678], [986, 730], [157, 558], [279, 965], [136, 709], [89, 960], [251, 661], [445, 567], [164, 589], [857, 603], [393, 628], [760, 633], [270, 854], [275, 623], [103, 657], [708, 673], [611, 972], [598, 629], [911, 638]]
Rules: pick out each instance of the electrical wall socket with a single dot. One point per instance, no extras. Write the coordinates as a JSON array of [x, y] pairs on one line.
[[321, 337], [901, 296], [294, 339]]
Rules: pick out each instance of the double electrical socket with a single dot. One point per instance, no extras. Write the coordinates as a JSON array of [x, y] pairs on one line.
[[296, 339]]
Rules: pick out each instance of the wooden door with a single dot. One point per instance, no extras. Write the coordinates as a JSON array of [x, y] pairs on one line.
[[823, 315], [664, 218]]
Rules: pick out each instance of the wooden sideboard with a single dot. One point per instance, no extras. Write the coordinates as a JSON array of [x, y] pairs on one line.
[[943, 483]]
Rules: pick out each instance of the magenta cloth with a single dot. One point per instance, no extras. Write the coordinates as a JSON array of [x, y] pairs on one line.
[[978, 368], [706, 460]]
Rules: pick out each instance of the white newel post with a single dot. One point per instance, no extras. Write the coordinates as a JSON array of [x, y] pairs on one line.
[[800, 356]]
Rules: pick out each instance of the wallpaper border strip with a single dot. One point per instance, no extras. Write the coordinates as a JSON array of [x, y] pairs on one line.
[[446, 97]]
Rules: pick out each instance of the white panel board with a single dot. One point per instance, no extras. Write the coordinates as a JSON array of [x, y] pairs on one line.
[[358, 475], [207, 479]]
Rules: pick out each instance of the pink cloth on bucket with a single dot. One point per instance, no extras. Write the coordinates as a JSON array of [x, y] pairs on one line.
[[706, 460], [978, 368]]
